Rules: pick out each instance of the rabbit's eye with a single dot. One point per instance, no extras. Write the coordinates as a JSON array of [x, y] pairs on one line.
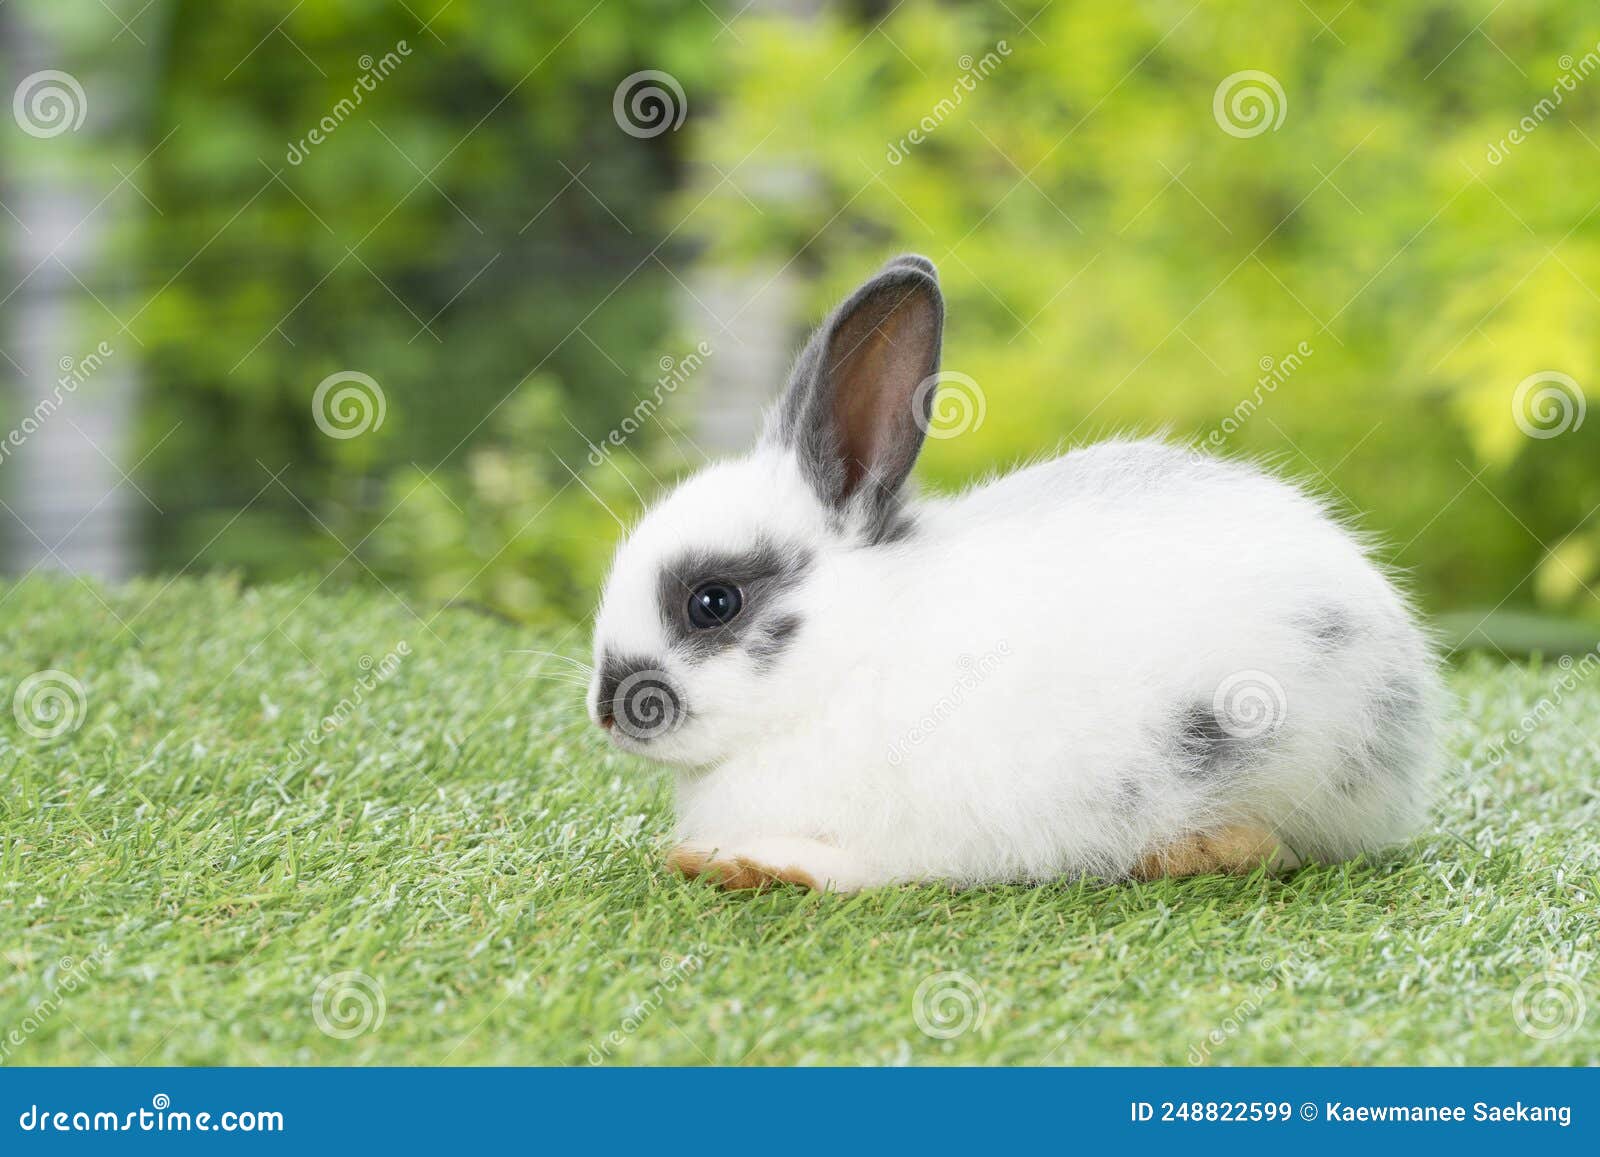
[[713, 604]]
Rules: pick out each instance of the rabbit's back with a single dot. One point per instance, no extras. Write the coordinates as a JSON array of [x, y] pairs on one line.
[[1147, 642]]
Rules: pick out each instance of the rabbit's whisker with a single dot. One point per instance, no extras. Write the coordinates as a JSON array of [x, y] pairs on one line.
[[582, 666], [550, 677]]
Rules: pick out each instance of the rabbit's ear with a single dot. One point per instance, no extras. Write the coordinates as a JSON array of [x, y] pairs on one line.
[[912, 261], [859, 400]]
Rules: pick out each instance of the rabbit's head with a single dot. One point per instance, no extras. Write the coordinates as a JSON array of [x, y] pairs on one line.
[[706, 596]]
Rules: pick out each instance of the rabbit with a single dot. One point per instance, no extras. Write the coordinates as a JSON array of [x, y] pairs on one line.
[[1131, 661]]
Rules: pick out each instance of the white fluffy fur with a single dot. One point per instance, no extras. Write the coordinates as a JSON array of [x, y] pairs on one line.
[[995, 697]]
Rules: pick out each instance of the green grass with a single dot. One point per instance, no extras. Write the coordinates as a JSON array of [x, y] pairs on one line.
[[465, 841]]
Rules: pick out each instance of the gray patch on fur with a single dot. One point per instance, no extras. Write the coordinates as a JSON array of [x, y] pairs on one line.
[[1330, 627], [763, 574], [1394, 743], [894, 524], [1131, 796], [771, 640], [1204, 747]]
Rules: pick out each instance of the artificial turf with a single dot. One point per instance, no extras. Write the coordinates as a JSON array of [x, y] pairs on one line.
[[186, 878]]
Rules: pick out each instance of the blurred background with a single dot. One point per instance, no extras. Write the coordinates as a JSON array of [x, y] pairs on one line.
[[428, 295]]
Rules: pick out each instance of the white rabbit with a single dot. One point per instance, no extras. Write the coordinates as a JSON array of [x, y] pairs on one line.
[[1131, 660]]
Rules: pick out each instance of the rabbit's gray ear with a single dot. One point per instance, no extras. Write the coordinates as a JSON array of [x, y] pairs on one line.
[[913, 260], [859, 399]]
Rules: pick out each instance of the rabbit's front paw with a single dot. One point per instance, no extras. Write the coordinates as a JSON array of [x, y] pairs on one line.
[[733, 871], [758, 864]]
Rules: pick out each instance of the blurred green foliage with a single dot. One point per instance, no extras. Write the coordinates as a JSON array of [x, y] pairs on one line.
[[475, 233], [1115, 260], [1355, 294]]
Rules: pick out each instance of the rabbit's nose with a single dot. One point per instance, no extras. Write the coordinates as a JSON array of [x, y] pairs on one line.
[[648, 705], [637, 699]]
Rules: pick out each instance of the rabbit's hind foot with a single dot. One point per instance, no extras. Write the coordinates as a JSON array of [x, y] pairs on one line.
[[1238, 849]]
